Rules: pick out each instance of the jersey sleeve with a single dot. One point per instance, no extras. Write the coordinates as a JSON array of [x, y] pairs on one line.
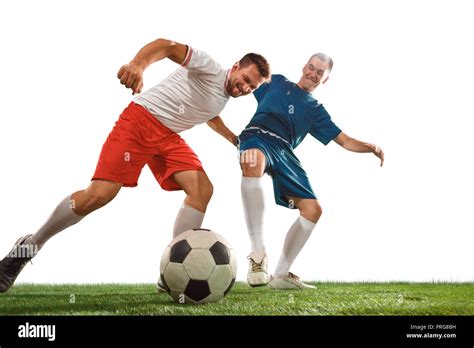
[[200, 62], [323, 128], [261, 91]]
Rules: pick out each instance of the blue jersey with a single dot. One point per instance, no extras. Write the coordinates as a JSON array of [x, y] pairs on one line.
[[290, 112]]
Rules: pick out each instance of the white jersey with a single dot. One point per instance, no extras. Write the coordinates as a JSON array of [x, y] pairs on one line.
[[193, 94]]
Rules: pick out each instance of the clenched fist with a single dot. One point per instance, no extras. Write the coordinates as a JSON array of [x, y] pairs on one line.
[[131, 75]]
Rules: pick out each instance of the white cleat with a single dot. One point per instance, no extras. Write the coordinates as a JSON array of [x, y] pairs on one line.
[[258, 269], [289, 282]]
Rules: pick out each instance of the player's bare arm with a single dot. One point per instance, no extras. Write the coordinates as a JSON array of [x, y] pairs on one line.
[[355, 145], [218, 125], [131, 74]]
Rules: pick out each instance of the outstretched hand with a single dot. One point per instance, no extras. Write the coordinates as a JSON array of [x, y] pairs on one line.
[[131, 75], [377, 151]]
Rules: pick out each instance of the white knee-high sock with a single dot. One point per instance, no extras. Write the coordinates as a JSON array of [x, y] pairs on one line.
[[253, 202], [61, 218], [187, 219], [295, 240]]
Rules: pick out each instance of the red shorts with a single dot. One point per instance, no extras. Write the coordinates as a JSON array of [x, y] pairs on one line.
[[137, 139]]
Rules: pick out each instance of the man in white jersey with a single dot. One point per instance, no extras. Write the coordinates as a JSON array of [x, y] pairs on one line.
[[147, 133]]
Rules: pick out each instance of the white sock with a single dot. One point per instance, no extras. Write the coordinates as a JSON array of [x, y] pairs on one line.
[[61, 218], [295, 240], [253, 202], [187, 219]]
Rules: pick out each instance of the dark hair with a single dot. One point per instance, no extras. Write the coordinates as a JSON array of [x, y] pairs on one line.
[[259, 61], [325, 58]]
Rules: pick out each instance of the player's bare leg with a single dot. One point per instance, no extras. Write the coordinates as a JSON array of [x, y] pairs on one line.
[[310, 212], [252, 162], [69, 211], [198, 189], [74, 208], [97, 195]]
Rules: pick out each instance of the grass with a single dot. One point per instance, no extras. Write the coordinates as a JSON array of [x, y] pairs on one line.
[[338, 299]]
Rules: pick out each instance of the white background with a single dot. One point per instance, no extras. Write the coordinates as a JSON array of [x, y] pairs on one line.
[[402, 78]]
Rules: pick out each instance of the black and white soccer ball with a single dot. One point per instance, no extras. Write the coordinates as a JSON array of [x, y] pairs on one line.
[[198, 266]]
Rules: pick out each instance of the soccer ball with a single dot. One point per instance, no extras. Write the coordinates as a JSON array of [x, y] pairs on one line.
[[198, 266]]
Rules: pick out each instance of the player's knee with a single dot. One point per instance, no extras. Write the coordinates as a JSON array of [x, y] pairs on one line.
[[201, 195], [205, 192], [312, 211], [251, 171]]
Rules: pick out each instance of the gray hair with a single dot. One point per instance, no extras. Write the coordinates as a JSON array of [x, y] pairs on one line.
[[324, 57]]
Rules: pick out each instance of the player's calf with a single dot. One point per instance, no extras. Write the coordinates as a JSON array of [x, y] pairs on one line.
[[97, 195]]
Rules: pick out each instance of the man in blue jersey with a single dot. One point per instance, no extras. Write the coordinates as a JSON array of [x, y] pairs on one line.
[[286, 113]]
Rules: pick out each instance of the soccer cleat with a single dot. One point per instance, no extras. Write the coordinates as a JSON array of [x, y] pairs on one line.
[[160, 287], [258, 269], [13, 263], [289, 282]]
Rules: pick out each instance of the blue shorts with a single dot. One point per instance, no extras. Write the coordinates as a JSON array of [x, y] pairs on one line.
[[289, 177]]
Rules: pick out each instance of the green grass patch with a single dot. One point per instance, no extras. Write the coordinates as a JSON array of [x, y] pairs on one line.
[[327, 299]]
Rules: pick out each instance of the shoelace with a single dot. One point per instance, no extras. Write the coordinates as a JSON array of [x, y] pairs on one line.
[[256, 267], [294, 277]]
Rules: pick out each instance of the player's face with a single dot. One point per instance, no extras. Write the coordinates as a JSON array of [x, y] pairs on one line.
[[315, 72], [243, 80]]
